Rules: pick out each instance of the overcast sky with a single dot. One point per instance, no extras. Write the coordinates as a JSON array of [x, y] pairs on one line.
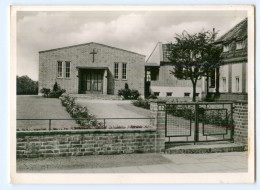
[[134, 31]]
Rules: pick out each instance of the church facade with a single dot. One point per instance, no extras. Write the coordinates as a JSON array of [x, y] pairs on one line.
[[91, 68]]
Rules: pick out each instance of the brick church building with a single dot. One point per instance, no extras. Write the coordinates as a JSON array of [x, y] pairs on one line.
[[91, 68]]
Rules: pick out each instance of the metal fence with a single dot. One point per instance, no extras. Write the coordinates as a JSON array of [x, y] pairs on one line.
[[83, 123]]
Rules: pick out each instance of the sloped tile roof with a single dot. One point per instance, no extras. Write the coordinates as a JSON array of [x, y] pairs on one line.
[[238, 32]]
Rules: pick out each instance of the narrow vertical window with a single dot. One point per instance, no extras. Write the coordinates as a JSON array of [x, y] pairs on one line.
[[237, 84], [116, 71], [67, 69], [124, 71], [224, 82], [212, 79], [59, 69]]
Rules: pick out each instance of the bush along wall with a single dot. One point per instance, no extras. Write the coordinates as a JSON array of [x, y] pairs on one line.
[[143, 103], [79, 112], [56, 92], [128, 94]]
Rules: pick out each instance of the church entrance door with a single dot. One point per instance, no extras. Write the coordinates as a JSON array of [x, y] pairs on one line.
[[91, 81]]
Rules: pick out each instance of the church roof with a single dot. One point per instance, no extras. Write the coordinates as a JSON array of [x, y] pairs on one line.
[[238, 32], [89, 44]]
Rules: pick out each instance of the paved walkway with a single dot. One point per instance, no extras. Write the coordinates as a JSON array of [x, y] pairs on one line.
[[38, 107], [116, 109], [139, 163]]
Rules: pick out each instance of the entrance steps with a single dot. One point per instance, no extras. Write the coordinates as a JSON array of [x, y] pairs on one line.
[[202, 148], [96, 96]]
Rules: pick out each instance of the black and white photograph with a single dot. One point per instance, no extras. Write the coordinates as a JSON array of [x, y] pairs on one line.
[[125, 91]]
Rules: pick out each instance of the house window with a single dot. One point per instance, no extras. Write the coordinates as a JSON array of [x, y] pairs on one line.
[[154, 74], [226, 48], [186, 94], [237, 84], [156, 93], [148, 76], [116, 71], [59, 69], [224, 83], [67, 69], [169, 94], [212, 79], [124, 71], [197, 94], [239, 45]]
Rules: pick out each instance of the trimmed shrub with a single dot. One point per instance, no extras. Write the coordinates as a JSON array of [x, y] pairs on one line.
[[55, 93], [143, 103], [152, 96], [46, 92], [128, 94]]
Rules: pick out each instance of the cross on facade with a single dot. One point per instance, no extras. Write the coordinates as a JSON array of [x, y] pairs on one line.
[[93, 53]]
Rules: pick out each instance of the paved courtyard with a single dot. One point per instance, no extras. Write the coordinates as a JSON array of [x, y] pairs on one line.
[[139, 163], [116, 109]]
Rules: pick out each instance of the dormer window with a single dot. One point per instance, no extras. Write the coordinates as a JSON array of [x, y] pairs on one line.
[[239, 45], [226, 48]]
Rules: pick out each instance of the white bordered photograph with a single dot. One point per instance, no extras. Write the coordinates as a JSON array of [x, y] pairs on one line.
[[132, 94]]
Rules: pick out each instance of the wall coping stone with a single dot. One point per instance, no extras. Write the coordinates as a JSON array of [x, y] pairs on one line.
[[241, 101], [158, 101], [88, 131]]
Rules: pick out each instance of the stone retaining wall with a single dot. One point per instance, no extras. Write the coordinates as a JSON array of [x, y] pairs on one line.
[[32, 144]]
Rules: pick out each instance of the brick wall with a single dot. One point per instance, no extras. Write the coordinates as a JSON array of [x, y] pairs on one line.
[[82, 143], [240, 118]]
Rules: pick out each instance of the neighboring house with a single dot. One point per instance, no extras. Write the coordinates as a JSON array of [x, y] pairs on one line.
[[159, 80], [91, 68], [230, 79], [233, 84]]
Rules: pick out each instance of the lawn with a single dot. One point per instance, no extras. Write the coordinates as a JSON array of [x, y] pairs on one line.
[[37, 107]]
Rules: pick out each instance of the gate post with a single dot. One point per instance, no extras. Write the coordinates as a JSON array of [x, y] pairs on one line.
[[157, 109], [196, 128]]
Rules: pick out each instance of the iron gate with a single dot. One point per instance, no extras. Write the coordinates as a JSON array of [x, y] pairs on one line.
[[199, 122]]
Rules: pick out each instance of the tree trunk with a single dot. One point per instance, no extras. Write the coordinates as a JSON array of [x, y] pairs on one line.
[[194, 91]]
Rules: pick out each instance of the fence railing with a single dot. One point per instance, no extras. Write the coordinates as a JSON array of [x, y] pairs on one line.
[[101, 122]]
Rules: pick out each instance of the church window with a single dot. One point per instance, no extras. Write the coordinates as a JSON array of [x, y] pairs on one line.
[[124, 71], [67, 69], [59, 69], [116, 70], [186, 94]]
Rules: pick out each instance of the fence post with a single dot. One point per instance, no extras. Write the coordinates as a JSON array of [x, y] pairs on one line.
[[196, 128], [157, 109]]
